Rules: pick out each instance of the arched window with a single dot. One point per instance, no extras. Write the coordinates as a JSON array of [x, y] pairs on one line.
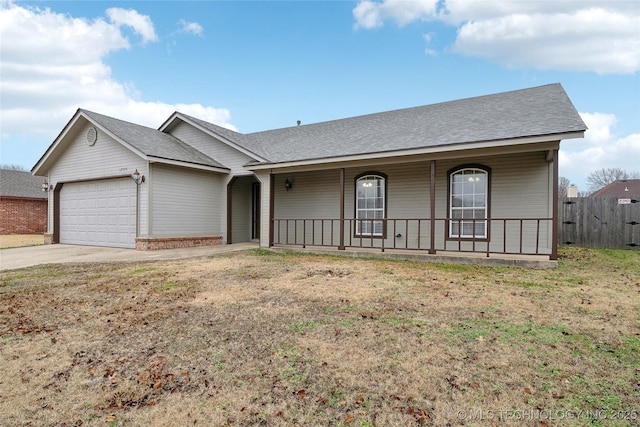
[[370, 204], [468, 202]]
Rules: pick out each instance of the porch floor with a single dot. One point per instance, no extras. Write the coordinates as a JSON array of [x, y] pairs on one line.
[[446, 257]]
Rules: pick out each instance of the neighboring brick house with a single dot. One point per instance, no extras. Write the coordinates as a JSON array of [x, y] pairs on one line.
[[23, 204]]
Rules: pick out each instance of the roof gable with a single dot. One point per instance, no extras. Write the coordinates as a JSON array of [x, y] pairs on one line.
[[233, 139], [152, 142], [147, 143]]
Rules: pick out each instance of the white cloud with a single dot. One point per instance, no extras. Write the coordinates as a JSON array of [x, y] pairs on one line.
[[53, 63], [428, 50], [585, 40], [562, 35], [372, 14], [141, 24], [601, 148], [190, 28]]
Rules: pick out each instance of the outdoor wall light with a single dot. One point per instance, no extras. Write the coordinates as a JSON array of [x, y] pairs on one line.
[[45, 186], [137, 178], [287, 184]]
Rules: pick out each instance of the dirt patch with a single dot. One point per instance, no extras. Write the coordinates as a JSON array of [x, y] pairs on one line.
[[258, 338], [19, 240]]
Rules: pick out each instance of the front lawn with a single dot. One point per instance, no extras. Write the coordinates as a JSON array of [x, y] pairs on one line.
[[259, 338]]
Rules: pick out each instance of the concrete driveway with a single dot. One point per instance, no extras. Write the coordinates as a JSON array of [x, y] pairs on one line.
[[13, 258]]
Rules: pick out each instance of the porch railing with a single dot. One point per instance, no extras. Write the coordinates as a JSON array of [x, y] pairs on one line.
[[513, 236]]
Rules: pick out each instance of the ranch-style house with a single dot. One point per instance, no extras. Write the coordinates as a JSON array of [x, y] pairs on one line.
[[470, 175]]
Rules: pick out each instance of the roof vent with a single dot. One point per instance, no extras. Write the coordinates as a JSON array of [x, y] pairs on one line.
[[92, 135]]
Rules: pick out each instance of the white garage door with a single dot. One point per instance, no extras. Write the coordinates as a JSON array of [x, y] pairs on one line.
[[99, 213]]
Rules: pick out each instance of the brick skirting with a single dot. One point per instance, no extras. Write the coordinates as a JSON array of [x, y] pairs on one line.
[[156, 243]]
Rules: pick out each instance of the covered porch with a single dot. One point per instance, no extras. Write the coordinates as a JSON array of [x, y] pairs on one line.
[[500, 204]]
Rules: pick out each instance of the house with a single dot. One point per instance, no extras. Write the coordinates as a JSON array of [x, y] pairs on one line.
[[23, 204], [472, 175], [620, 188]]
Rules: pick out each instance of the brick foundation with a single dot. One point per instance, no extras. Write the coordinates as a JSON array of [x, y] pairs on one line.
[[23, 215], [156, 243]]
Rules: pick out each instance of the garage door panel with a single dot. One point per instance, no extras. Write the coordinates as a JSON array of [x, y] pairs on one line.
[[100, 213]]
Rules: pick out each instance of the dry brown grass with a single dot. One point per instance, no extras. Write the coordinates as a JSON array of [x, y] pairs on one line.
[[19, 240], [289, 339]]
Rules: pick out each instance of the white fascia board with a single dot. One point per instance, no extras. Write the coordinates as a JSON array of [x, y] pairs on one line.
[[457, 148], [167, 122], [215, 135], [56, 142], [152, 159]]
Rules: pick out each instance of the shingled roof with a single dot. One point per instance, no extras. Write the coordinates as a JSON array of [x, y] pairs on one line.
[[620, 188], [20, 184], [152, 142], [539, 111]]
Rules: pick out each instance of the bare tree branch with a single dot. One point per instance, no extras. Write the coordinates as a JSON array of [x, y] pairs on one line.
[[13, 167], [563, 186], [602, 177]]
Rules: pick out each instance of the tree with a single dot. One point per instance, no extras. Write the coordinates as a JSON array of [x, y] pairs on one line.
[[13, 167], [602, 177], [563, 186]]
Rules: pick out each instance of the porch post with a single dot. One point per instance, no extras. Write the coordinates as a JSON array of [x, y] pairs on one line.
[[554, 228], [432, 207], [230, 209], [341, 246], [266, 179], [271, 206]]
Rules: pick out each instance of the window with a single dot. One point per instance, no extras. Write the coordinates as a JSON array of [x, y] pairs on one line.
[[370, 205], [468, 201]]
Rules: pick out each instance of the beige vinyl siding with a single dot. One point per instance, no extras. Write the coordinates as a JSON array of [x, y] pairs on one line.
[[314, 195], [185, 202], [217, 150], [107, 158]]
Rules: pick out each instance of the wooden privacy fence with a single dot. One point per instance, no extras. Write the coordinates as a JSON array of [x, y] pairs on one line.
[[600, 222]]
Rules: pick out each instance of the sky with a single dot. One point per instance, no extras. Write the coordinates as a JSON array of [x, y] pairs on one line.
[[259, 65]]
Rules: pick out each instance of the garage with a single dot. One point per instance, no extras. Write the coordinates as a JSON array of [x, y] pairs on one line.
[[99, 213]]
